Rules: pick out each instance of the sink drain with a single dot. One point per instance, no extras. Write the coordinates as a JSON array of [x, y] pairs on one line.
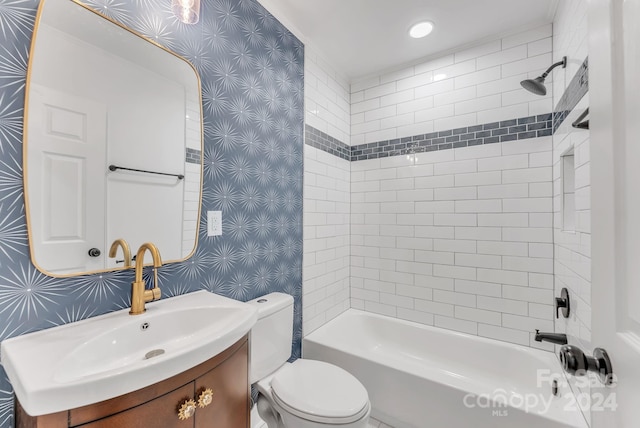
[[153, 353]]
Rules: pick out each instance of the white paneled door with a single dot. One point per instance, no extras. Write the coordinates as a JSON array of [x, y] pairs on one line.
[[66, 138], [614, 85]]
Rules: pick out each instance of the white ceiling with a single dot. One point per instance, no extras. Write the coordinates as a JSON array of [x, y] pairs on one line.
[[363, 37]]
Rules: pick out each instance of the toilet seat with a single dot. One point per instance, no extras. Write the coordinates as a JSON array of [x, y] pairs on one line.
[[320, 392]]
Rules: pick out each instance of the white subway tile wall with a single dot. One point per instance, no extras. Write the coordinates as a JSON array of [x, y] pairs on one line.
[[573, 252], [327, 101], [572, 261], [326, 210], [463, 238], [460, 239], [325, 274], [192, 174], [192, 184], [471, 240], [570, 40], [475, 86]]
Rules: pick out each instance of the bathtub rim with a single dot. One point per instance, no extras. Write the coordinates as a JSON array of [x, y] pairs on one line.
[[353, 312], [550, 359]]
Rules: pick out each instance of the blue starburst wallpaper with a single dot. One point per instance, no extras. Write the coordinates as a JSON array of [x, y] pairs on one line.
[[251, 68]]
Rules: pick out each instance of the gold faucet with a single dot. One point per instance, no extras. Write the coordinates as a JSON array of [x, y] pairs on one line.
[[139, 295], [125, 250]]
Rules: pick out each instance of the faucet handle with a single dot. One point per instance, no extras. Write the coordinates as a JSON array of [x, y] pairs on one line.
[[574, 361], [562, 302], [153, 294], [156, 293]]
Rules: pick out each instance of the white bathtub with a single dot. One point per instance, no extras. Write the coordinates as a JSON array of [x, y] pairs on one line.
[[423, 377]]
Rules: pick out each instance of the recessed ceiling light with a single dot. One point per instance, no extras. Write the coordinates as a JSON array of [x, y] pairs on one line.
[[421, 29]]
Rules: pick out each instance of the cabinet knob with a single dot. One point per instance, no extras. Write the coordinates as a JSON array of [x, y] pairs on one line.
[[187, 409], [205, 398]]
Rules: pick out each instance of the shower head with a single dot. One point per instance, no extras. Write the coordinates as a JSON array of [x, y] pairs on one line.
[[536, 86]]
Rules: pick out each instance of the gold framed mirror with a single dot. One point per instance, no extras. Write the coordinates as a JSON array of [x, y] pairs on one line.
[[112, 143]]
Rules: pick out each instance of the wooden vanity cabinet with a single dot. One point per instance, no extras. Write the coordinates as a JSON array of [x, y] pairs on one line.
[[156, 406]]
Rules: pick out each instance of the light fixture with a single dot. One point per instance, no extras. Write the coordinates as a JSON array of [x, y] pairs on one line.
[[187, 11], [421, 29]]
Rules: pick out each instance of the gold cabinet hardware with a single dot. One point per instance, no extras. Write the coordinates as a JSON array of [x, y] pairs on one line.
[[205, 398], [187, 410]]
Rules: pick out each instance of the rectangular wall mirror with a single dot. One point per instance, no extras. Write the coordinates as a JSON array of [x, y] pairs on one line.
[[112, 143]]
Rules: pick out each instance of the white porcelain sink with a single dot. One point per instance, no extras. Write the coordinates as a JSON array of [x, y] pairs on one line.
[[100, 358]]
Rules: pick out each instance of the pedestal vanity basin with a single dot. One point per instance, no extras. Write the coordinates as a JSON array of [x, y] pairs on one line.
[[110, 355]]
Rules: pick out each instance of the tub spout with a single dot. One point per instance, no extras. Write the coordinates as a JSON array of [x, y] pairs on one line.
[[557, 338]]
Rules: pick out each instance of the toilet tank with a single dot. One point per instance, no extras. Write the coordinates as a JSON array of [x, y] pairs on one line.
[[271, 336]]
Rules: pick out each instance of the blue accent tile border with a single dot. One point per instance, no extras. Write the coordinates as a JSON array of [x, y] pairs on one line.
[[576, 89], [487, 133], [193, 156], [320, 140]]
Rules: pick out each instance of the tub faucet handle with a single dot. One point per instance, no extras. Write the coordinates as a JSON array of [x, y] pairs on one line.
[[562, 302], [577, 363]]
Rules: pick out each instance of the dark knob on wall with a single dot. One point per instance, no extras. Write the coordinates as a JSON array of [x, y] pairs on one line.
[[562, 302], [94, 252], [576, 363]]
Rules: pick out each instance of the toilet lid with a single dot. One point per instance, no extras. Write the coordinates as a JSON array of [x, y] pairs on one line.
[[319, 391]]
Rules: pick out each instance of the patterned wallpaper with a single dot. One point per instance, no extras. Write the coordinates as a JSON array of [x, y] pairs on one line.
[[251, 69]]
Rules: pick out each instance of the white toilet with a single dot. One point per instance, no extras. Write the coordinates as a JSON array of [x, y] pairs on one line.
[[305, 393]]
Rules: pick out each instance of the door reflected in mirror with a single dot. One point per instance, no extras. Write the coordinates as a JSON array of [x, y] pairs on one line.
[[113, 143]]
